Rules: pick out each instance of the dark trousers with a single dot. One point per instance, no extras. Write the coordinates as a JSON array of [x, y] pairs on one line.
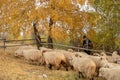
[[87, 51]]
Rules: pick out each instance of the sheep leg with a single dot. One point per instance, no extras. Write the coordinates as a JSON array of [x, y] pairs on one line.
[[32, 62], [58, 66], [72, 67], [92, 78], [65, 66], [80, 75], [27, 61], [50, 66]]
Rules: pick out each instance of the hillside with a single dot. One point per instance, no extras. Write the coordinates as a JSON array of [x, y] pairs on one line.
[[12, 68]]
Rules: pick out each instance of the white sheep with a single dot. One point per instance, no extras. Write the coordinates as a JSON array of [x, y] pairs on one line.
[[67, 54], [70, 50], [84, 66], [32, 56], [96, 54], [115, 56], [118, 61], [111, 65], [110, 73], [54, 58], [99, 61], [81, 54], [18, 52], [103, 54]]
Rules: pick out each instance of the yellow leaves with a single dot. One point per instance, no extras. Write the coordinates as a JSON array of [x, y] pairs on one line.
[[59, 34], [55, 15], [82, 2], [2, 2], [91, 33], [65, 5], [15, 31], [23, 14]]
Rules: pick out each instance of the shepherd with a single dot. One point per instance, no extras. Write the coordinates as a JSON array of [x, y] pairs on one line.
[[87, 44]]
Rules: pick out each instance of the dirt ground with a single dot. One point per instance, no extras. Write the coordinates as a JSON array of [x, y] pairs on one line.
[[12, 68]]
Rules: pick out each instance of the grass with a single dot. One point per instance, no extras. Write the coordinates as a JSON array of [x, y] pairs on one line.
[[12, 68]]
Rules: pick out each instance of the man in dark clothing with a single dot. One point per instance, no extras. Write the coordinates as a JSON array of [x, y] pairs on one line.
[[87, 44]]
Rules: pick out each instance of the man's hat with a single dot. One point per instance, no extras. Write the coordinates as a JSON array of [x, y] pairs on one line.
[[84, 36]]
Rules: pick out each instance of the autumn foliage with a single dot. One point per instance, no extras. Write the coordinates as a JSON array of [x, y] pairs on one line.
[[71, 20]]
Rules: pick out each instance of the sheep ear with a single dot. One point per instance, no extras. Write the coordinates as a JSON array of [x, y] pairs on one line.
[[80, 56], [76, 55], [43, 51], [108, 67]]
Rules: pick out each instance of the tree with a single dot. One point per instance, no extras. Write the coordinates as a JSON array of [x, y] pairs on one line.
[[65, 15], [108, 25]]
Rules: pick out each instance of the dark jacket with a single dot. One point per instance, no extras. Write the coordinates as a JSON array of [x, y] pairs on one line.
[[87, 44]]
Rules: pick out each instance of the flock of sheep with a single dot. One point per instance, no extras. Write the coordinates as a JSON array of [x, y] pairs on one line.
[[87, 66]]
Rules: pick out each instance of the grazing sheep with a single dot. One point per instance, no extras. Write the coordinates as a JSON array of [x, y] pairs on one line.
[[70, 50], [110, 59], [67, 55], [99, 61], [81, 54], [110, 73], [54, 58], [118, 61], [18, 52], [31, 54], [84, 66], [96, 54], [111, 65], [115, 56], [103, 54]]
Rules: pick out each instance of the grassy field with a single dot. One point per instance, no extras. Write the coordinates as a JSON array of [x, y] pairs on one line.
[[12, 68]]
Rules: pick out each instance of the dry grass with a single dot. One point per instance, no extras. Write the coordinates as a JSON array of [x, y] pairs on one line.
[[12, 68]]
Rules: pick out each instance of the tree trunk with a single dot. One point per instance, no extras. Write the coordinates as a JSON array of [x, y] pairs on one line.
[[37, 36], [50, 41], [49, 35]]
